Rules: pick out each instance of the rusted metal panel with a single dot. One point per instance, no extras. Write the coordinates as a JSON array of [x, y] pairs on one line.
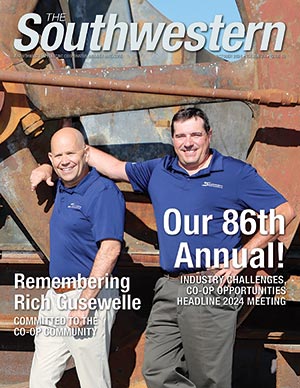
[[287, 364], [11, 12], [293, 288], [14, 181], [17, 257], [275, 134], [8, 314]]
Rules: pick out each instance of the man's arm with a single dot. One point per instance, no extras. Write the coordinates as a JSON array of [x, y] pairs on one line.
[[104, 263], [104, 163], [259, 240], [108, 165]]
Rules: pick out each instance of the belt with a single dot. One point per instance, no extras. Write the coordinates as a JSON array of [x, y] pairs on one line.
[[180, 275], [62, 290], [69, 287]]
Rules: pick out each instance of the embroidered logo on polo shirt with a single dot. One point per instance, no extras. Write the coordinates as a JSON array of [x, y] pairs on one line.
[[210, 184], [74, 206]]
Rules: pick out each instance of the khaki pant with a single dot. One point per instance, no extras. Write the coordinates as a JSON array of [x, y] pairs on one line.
[[55, 344], [190, 345]]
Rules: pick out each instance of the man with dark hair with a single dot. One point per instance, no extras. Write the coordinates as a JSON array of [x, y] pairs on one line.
[[190, 345], [86, 231], [189, 113]]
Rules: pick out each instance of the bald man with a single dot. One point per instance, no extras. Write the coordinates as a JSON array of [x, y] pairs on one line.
[[86, 231]]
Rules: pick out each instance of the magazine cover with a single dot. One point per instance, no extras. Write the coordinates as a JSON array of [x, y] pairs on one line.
[[149, 194]]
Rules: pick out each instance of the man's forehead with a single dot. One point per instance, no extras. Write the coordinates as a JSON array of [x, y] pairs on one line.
[[194, 123], [70, 141]]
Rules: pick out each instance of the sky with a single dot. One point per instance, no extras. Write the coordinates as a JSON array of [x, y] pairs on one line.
[[189, 11]]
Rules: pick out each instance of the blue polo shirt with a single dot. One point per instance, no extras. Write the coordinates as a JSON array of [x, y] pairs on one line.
[[180, 201], [83, 216]]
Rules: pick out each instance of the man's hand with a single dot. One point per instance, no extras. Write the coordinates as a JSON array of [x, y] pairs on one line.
[[228, 274], [78, 318], [39, 174]]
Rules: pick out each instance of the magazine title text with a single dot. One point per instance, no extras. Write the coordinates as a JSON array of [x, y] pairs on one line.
[[119, 35]]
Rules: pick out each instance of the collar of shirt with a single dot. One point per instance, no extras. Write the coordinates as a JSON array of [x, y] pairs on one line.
[[82, 186], [216, 164]]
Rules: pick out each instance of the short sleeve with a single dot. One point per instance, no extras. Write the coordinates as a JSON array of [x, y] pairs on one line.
[[107, 214], [139, 174]]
